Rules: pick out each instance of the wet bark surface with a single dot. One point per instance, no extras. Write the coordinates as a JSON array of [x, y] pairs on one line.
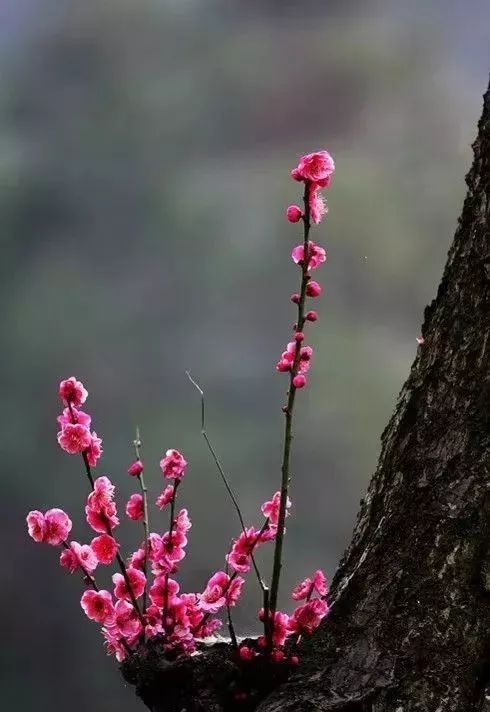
[[409, 625]]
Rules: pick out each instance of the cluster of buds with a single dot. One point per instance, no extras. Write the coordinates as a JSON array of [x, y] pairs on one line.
[[145, 600], [315, 170]]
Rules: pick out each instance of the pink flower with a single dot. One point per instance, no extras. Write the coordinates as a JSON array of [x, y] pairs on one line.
[[73, 416], [294, 213], [420, 340], [137, 581], [287, 357], [299, 381], [157, 591], [165, 497], [320, 583], [94, 450], [138, 559], [316, 167], [219, 591], [126, 619], [78, 556], [208, 629], [173, 464], [313, 289], [311, 316], [100, 510], [246, 653], [316, 255], [239, 556], [36, 525], [295, 298], [113, 644], [271, 509], [308, 616], [105, 548], [183, 522], [317, 205], [98, 606], [102, 494], [135, 469], [73, 391], [280, 628], [74, 438], [134, 507], [57, 526]]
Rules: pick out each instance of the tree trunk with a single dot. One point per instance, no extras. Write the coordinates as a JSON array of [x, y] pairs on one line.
[[409, 625]]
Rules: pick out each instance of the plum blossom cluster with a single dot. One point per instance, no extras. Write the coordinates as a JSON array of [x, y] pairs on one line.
[[142, 598]]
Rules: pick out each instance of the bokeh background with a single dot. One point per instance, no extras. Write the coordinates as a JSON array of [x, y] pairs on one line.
[[145, 150]]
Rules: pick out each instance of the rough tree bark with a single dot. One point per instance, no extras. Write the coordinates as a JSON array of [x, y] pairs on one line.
[[409, 626]]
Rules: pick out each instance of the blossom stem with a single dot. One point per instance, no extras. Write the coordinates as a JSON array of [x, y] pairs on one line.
[[288, 430], [231, 629], [170, 532], [120, 561], [146, 524], [221, 471]]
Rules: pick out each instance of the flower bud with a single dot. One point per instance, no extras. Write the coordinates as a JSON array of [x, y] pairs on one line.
[[294, 214], [295, 298], [299, 381], [136, 468], [311, 316], [313, 289]]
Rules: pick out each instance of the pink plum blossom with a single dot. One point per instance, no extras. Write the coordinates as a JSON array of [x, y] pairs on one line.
[[316, 167], [94, 450], [317, 205], [74, 438], [57, 526], [182, 521], [311, 316], [36, 525], [165, 497], [137, 581], [105, 548], [73, 392], [307, 618], [137, 560], [219, 591], [135, 469], [299, 381], [316, 255], [98, 606], [134, 507], [158, 588], [100, 510], [173, 464], [72, 415], [294, 214], [270, 509], [126, 619], [78, 556]]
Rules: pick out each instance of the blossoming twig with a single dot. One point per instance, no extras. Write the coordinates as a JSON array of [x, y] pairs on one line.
[[288, 432], [146, 523]]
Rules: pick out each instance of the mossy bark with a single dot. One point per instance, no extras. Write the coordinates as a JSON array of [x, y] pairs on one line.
[[409, 627]]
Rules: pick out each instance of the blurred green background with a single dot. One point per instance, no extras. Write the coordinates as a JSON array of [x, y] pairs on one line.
[[145, 149]]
